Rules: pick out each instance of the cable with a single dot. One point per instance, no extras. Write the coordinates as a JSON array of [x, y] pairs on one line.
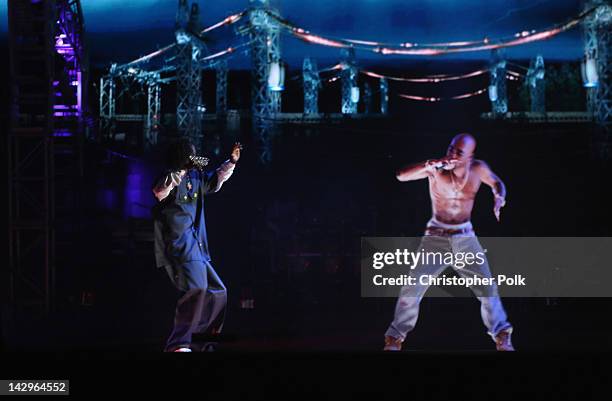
[[227, 21], [427, 79], [416, 49], [439, 99]]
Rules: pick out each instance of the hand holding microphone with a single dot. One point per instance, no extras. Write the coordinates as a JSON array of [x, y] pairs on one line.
[[446, 163]]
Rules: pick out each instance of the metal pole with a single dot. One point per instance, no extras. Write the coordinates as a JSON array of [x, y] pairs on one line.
[[368, 99], [349, 81], [384, 96], [221, 99], [311, 84], [498, 80], [189, 90], [264, 50], [536, 82]]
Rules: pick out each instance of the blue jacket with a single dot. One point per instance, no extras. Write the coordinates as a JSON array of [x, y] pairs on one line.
[[180, 229]]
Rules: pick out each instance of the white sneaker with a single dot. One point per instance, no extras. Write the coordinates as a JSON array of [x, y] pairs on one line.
[[182, 349]]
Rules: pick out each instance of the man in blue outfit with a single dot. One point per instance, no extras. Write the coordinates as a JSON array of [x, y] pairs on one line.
[[181, 246]]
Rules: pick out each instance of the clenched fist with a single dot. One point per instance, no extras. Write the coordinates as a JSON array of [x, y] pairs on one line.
[[235, 155]]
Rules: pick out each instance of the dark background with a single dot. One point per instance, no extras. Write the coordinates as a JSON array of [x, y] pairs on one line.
[[287, 235]]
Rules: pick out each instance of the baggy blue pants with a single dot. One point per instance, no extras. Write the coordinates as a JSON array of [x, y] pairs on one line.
[[201, 306]]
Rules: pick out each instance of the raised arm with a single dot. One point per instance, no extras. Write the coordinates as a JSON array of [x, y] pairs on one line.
[[497, 187], [213, 181], [162, 188]]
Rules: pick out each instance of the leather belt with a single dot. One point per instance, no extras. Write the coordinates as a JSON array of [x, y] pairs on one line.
[[445, 232]]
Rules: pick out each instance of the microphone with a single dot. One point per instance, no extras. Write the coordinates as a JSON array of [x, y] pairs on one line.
[[445, 165], [199, 161]]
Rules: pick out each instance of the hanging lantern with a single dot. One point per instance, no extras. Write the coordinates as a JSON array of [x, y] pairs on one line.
[[355, 94], [276, 77], [493, 93], [588, 68]]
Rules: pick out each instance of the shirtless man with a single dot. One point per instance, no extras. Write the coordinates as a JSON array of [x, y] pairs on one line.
[[454, 181]]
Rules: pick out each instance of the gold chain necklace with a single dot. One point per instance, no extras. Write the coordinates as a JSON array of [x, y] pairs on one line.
[[465, 180]]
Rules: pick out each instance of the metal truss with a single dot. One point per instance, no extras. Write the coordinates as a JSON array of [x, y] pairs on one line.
[[221, 78], [368, 98], [48, 84], [591, 48], [265, 49], [537, 85], [274, 57], [153, 113], [108, 93], [600, 26], [384, 96], [311, 83], [349, 81], [498, 80], [189, 107]]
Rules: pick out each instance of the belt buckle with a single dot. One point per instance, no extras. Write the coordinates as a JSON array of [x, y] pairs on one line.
[[436, 231]]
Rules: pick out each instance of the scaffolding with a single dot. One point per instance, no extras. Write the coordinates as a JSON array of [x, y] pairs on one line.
[[536, 82], [189, 106], [107, 104], [349, 82], [368, 98], [384, 96], [48, 88], [153, 111], [499, 98], [312, 84], [221, 90], [600, 27], [265, 49]]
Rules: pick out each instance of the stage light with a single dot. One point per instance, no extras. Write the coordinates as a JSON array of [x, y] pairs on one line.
[[588, 68], [355, 94], [493, 93], [276, 78], [182, 37]]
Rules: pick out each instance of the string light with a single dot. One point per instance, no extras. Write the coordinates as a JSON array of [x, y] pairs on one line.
[[439, 99], [509, 43], [433, 49], [338, 66], [319, 40], [221, 53], [467, 95], [514, 73], [227, 21], [428, 79]]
